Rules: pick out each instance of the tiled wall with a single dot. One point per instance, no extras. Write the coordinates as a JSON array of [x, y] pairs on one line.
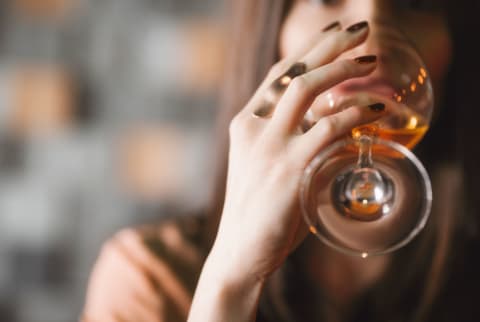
[[106, 113]]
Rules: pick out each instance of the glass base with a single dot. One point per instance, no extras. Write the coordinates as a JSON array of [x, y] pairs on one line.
[[366, 211], [364, 194]]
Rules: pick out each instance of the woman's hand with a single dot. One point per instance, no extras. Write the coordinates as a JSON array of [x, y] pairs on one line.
[[261, 221]]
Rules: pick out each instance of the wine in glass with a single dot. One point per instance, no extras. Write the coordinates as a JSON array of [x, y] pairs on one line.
[[368, 194]]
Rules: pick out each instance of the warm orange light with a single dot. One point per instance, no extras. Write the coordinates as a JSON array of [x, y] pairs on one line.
[[423, 72], [45, 8], [412, 123], [285, 80], [420, 79], [413, 87], [203, 39], [313, 230], [399, 98], [146, 155], [42, 100]]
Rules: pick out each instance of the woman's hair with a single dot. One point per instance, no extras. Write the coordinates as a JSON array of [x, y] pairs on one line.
[[252, 49], [416, 272]]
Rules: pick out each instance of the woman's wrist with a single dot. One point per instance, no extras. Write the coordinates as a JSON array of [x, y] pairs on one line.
[[228, 267], [224, 294]]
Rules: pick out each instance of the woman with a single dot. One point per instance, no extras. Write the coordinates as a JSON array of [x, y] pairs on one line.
[[261, 264]]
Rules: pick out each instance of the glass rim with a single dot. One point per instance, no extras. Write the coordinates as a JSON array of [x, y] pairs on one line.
[[320, 158]]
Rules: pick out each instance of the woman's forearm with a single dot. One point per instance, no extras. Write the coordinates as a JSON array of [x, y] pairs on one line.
[[224, 295]]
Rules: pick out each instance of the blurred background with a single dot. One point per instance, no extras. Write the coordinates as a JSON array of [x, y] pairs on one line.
[[106, 117]]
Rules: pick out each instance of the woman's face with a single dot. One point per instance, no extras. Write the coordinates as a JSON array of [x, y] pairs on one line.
[[420, 20]]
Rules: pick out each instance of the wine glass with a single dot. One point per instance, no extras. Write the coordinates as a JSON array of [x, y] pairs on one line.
[[367, 194]]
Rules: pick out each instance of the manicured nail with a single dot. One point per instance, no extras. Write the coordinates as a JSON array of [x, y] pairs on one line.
[[331, 26], [377, 107], [264, 111], [295, 70], [369, 59], [358, 26]]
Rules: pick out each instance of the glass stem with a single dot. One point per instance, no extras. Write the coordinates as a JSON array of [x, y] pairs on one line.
[[365, 152]]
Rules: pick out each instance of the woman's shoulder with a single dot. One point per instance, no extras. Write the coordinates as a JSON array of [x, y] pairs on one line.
[[147, 269], [178, 242], [170, 233]]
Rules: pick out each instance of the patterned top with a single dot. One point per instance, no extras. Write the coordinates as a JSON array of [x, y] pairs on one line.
[[147, 273]]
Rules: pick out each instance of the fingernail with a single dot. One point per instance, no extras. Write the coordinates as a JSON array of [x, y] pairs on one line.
[[368, 59], [331, 26], [358, 26], [377, 107], [264, 111], [296, 69]]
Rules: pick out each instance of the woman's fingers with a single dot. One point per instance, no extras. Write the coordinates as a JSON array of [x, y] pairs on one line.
[[331, 44], [335, 44], [280, 67], [328, 104], [285, 64], [331, 127], [323, 48], [303, 90]]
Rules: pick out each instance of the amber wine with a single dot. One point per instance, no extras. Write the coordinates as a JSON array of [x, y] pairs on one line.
[[407, 134]]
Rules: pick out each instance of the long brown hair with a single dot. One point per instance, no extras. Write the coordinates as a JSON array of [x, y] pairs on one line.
[[415, 276], [252, 50]]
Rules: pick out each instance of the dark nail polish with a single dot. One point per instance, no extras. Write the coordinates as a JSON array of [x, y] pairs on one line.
[[296, 69], [264, 111], [358, 26], [331, 26], [369, 59], [377, 107]]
